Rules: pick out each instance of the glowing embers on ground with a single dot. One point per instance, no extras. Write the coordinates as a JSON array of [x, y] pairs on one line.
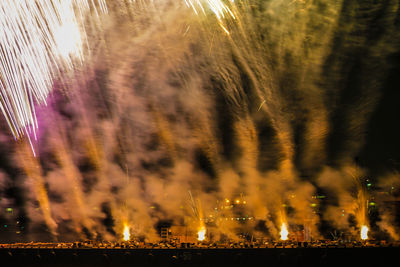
[[126, 233], [364, 232], [201, 234], [284, 232]]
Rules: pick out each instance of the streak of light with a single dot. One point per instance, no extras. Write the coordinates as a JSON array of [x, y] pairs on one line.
[[219, 8], [284, 232], [39, 41], [126, 232], [364, 232]]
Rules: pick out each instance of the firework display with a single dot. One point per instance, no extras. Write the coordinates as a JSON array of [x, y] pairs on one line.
[[203, 123]]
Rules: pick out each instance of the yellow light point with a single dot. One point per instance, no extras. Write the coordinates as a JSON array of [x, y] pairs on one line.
[[284, 232], [237, 201], [126, 233], [201, 234], [364, 232]]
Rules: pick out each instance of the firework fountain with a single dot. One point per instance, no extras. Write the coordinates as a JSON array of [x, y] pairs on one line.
[[40, 42]]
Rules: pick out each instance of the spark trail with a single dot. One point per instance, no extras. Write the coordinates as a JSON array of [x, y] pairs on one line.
[[40, 41]]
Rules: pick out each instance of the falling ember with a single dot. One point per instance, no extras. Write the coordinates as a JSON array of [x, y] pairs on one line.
[[364, 232], [201, 234], [284, 232], [126, 233]]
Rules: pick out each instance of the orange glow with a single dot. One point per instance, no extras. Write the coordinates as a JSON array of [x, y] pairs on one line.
[[201, 234], [126, 233], [284, 232], [364, 232]]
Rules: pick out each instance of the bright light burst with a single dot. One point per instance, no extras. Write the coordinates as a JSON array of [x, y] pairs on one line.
[[284, 232], [219, 8], [201, 234], [39, 40], [364, 232], [126, 233]]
